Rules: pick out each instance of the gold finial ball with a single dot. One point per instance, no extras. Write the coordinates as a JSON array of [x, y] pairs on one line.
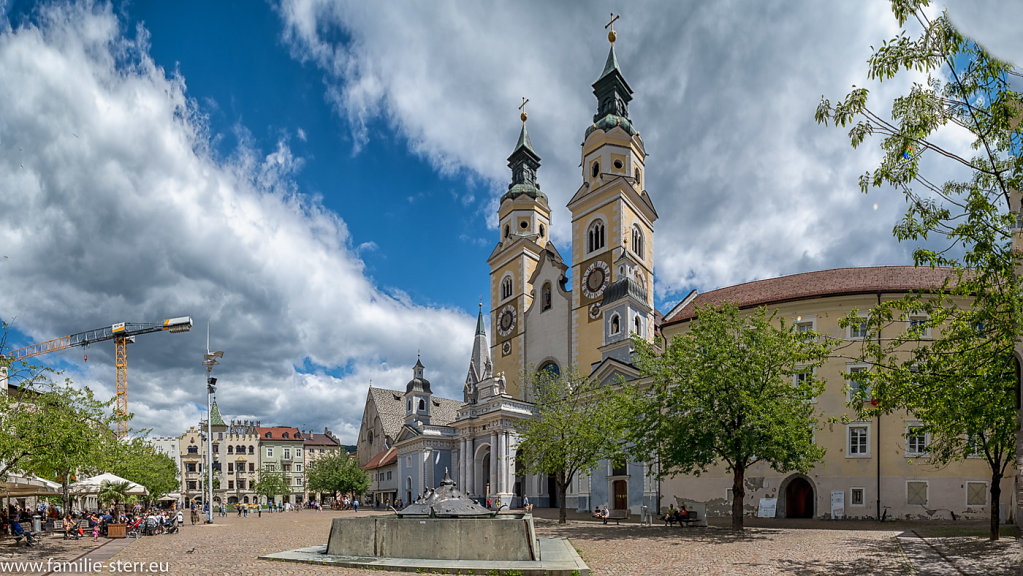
[[611, 36], [523, 116]]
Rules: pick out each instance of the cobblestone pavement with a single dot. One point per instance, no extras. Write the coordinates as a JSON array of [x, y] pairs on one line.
[[804, 548]]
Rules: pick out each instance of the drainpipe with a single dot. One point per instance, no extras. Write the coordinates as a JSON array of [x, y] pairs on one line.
[[877, 439]]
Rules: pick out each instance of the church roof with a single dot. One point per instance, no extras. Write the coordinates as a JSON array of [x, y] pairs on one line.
[[620, 289], [820, 284], [216, 419], [524, 141], [611, 64], [391, 410]]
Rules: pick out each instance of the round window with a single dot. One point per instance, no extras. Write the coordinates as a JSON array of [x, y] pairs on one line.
[[619, 165], [523, 224]]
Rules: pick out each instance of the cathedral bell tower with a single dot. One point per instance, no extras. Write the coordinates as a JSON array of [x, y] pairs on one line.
[[612, 218], [525, 220]]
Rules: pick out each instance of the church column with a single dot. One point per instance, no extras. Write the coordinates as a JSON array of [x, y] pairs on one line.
[[493, 464], [461, 465], [511, 461]]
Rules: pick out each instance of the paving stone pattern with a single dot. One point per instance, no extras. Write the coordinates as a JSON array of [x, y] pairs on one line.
[[808, 548]]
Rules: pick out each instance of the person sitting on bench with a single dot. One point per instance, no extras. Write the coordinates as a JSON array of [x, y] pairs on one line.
[[20, 532], [669, 517], [683, 514], [596, 512]]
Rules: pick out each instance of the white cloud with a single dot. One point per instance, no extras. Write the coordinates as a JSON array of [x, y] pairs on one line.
[[115, 210]]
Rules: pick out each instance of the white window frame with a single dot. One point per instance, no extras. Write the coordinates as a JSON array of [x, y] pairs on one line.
[[298, 481], [286, 453], [611, 324], [298, 452], [853, 369], [848, 439], [926, 438], [269, 451], [298, 467], [927, 492], [854, 334], [802, 324], [919, 318], [966, 493], [863, 496], [801, 370]]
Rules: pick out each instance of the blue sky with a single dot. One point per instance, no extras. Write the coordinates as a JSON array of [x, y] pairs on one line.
[[320, 179]]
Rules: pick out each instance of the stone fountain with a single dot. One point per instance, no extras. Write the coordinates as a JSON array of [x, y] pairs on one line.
[[442, 531]]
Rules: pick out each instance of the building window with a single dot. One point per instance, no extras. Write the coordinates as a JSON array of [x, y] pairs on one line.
[[858, 386], [241, 484], [422, 405], [637, 325], [507, 230], [918, 325], [269, 452], [298, 452], [506, 287], [190, 467], [270, 468], [976, 493], [542, 230], [916, 493], [216, 448], [804, 328], [230, 484], [388, 474], [858, 329], [858, 441], [801, 378], [595, 236], [298, 467], [252, 466], [285, 467], [856, 497], [230, 449], [916, 440], [636, 172], [637, 240], [595, 169], [287, 453], [252, 449], [615, 324], [545, 297], [191, 484], [230, 468]]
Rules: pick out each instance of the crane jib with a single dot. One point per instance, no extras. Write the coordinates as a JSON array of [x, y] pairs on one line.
[[119, 330]]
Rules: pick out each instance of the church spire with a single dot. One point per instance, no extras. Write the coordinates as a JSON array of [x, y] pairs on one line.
[[612, 91], [480, 367], [523, 163]]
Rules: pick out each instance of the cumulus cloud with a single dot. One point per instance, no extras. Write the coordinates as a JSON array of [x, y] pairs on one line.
[[115, 210], [747, 185]]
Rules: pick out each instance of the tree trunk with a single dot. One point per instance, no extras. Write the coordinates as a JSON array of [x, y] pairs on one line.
[[562, 511], [996, 496], [738, 496]]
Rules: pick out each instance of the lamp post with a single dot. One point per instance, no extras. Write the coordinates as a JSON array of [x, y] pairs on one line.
[[209, 361]]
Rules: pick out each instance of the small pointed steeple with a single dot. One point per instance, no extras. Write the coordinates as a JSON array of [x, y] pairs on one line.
[[215, 418], [480, 367]]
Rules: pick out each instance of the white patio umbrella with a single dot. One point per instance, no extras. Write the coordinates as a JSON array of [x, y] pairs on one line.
[[92, 485], [25, 485]]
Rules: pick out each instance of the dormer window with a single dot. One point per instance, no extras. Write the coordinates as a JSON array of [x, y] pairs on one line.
[[284, 435]]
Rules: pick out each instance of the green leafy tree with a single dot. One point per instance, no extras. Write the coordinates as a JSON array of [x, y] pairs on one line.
[[969, 224], [271, 485], [733, 390], [578, 423], [137, 460], [337, 474]]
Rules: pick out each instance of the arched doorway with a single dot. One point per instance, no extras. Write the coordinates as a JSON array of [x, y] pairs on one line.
[[799, 498]]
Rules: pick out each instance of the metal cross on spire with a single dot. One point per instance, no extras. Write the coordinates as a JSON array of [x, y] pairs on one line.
[[611, 35], [523, 116]]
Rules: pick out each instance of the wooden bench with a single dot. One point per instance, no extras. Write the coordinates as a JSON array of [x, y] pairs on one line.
[[689, 519], [617, 515]]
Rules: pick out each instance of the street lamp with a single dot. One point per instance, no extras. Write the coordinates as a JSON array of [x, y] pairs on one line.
[[209, 361]]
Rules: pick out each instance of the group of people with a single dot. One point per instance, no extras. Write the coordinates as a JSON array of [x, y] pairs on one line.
[[673, 515]]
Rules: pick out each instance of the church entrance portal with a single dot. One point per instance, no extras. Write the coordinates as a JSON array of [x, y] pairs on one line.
[[621, 494], [799, 499]]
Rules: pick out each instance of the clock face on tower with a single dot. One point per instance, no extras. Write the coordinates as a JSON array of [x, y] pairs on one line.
[[506, 320], [596, 278]]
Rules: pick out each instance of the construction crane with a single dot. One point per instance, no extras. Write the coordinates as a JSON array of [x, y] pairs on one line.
[[121, 333]]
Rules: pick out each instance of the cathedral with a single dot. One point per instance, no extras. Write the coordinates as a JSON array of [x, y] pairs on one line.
[[408, 438], [871, 468]]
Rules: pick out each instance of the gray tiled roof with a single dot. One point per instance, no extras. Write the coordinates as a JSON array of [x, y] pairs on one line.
[[391, 410]]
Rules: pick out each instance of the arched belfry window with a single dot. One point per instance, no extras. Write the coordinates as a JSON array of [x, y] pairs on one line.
[[595, 169], [637, 325], [637, 240], [507, 230], [595, 236], [506, 287], [615, 324], [422, 405], [545, 297]]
